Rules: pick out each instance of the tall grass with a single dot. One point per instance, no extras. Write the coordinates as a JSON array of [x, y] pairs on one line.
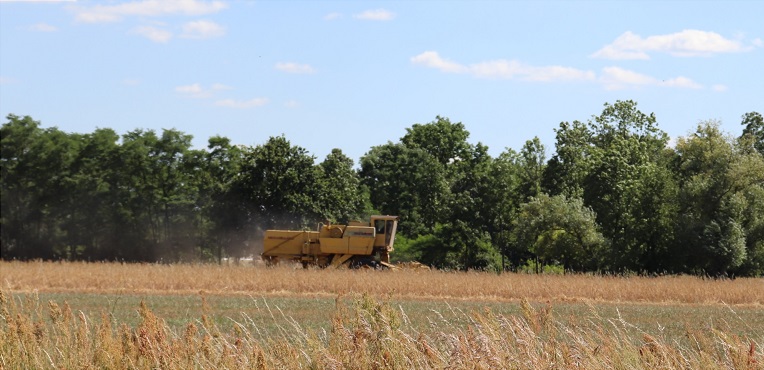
[[116, 278], [365, 333]]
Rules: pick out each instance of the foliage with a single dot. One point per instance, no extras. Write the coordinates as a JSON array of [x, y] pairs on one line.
[[439, 185], [566, 170], [562, 230], [613, 197], [720, 220], [341, 197], [754, 130]]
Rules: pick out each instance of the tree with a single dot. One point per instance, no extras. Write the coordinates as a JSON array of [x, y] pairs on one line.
[[23, 211], [719, 183], [445, 141], [279, 180], [502, 198], [466, 247], [178, 193], [566, 170], [35, 168], [627, 149], [92, 198], [561, 230], [224, 202], [754, 130], [340, 195], [468, 220], [407, 182], [531, 168], [438, 184], [753, 225], [159, 194]]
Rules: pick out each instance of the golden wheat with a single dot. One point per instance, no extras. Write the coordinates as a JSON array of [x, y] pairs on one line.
[[108, 278]]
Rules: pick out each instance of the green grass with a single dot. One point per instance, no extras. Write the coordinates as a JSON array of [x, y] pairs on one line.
[[273, 314]]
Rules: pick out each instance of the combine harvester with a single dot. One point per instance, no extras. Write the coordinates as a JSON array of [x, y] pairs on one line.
[[357, 244]]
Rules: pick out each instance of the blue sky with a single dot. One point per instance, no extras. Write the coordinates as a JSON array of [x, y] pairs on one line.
[[355, 74]]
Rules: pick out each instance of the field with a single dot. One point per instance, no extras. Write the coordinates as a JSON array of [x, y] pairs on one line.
[[109, 315]]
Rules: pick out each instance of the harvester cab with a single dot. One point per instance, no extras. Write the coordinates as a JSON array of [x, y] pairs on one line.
[[384, 227]]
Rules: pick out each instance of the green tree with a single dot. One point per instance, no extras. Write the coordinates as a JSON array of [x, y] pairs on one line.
[[532, 163], [720, 182], [502, 196], [465, 247], [444, 140], [753, 225], [279, 180], [753, 124], [561, 230], [407, 182], [438, 184], [469, 218], [225, 207], [35, 167], [340, 195], [566, 170], [22, 210], [626, 155], [92, 198]]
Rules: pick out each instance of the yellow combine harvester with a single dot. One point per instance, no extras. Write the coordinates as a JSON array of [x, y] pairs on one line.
[[356, 244]]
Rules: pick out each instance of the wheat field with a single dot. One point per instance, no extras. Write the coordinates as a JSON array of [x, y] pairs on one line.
[[116, 278], [374, 319]]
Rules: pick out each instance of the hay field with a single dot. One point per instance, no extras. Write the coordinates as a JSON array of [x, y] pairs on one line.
[[115, 278], [123, 316]]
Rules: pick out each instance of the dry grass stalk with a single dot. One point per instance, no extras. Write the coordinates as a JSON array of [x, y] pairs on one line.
[[365, 334]]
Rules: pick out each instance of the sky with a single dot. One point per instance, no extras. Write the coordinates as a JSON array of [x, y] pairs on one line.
[[356, 74]]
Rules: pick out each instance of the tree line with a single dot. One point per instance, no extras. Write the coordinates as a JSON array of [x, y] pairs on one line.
[[615, 196]]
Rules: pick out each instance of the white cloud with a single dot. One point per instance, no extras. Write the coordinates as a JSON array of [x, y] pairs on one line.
[[202, 30], [616, 78], [190, 89], [682, 82], [196, 90], [153, 33], [375, 15], [295, 68], [332, 16], [146, 8], [219, 86], [6, 80], [506, 69], [252, 103], [292, 104], [43, 27], [432, 59], [720, 88], [687, 43], [509, 69], [611, 78]]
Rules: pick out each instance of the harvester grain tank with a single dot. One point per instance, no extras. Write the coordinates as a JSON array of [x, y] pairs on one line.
[[354, 244]]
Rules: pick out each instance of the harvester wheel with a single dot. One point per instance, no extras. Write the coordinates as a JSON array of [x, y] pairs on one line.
[[364, 262]]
